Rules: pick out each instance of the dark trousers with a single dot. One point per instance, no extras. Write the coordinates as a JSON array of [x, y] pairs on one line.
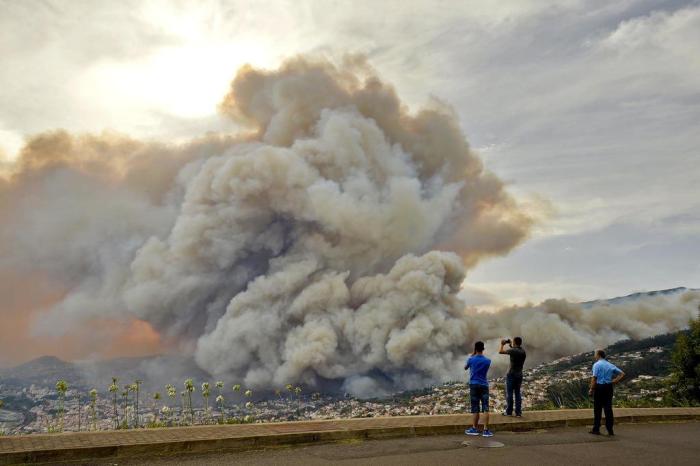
[[602, 401], [513, 384]]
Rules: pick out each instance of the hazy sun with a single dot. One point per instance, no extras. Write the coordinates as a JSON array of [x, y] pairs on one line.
[[186, 78], [186, 82]]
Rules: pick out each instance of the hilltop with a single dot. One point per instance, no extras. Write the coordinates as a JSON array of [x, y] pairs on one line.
[[638, 295]]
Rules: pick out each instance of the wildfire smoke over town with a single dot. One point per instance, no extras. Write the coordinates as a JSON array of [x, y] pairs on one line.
[[327, 241]]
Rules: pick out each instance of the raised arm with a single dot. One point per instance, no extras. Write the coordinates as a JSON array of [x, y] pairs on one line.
[[501, 350]]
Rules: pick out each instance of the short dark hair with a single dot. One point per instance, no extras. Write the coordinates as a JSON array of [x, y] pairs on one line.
[[478, 346], [518, 341], [600, 353]]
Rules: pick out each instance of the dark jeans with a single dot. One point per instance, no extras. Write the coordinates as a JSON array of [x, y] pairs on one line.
[[513, 384], [602, 401], [479, 397]]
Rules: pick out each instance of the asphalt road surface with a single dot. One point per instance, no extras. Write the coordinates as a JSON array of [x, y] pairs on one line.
[[658, 443]]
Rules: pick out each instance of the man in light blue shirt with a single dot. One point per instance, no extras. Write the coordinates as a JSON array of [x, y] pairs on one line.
[[605, 375]]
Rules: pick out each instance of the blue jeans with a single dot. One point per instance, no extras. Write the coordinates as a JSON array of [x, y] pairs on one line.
[[513, 384]]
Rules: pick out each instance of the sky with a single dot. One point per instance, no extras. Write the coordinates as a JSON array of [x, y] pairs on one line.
[[589, 110]]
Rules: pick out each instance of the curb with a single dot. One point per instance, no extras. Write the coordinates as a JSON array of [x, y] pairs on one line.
[[281, 440]]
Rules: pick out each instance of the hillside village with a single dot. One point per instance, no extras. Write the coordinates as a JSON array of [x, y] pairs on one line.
[[557, 384]]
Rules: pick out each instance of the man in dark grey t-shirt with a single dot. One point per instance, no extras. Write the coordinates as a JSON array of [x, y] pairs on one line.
[[514, 379]]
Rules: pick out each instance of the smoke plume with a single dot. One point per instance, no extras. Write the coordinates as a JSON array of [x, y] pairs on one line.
[[328, 241]]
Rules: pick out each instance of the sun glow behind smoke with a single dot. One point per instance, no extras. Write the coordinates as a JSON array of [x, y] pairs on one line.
[[23, 301], [10, 144], [187, 76], [186, 81]]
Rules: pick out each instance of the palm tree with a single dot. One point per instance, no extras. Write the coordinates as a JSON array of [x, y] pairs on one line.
[[61, 388], [156, 398], [205, 395], [166, 410], [220, 398], [125, 400], [189, 388], [2, 403], [136, 386], [93, 408], [236, 388], [220, 403], [297, 391], [248, 393], [80, 410], [113, 390], [172, 393]]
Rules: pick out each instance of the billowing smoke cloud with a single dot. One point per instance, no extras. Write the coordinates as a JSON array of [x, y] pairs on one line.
[[327, 243], [73, 212], [297, 250], [557, 328]]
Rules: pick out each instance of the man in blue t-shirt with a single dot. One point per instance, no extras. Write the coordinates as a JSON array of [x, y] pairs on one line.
[[478, 365], [605, 375]]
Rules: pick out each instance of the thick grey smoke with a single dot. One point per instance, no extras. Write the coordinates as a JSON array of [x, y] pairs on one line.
[[297, 250], [330, 242], [557, 328]]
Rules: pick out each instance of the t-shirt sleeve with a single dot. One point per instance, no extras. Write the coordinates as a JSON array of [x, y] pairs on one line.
[[596, 370], [509, 351], [466, 364], [616, 370]]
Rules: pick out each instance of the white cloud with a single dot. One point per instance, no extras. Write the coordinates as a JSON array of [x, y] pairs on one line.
[[677, 32]]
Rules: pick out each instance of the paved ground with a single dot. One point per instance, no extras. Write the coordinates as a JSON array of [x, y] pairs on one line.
[[638, 444], [202, 439], [10, 444]]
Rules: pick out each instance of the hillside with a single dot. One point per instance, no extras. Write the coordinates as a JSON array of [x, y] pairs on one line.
[[43, 371], [564, 383], [637, 296], [560, 383]]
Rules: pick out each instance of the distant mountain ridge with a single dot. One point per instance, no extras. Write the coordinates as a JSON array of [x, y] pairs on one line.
[[638, 295], [45, 371], [154, 369]]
